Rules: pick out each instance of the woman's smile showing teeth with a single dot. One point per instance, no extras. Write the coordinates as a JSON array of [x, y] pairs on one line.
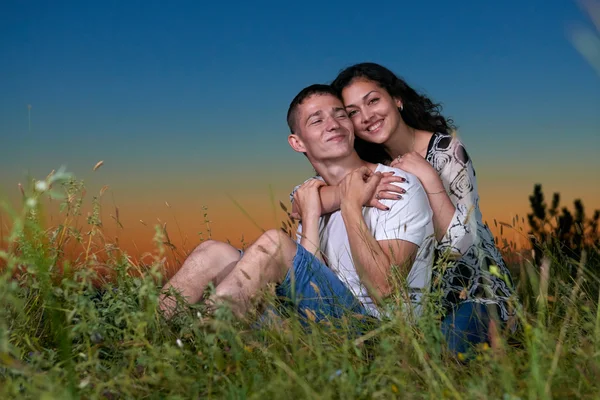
[[375, 127]]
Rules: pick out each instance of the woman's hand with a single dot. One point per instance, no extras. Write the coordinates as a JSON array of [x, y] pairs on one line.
[[415, 164], [308, 200], [386, 190]]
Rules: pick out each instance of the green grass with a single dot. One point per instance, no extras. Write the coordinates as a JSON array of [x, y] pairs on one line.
[[63, 337]]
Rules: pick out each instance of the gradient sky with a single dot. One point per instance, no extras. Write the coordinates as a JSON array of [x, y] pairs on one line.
[[185, 101]]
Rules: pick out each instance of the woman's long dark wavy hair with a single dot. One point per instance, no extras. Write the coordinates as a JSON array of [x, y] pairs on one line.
[[418, 112]]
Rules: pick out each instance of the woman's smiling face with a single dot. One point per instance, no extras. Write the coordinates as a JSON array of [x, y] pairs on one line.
[[374, 113]]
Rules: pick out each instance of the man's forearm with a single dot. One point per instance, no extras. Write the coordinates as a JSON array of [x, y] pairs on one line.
[[371, 263], [310, 236]]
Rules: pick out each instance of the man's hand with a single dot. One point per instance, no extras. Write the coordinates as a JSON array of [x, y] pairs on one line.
[[308, 200], [358, 188]]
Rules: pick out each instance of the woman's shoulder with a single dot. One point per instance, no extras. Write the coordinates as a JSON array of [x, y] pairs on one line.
[[441, 141], [448, 145]]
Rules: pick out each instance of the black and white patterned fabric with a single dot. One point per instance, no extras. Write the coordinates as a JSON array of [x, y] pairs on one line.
[[468, 276]]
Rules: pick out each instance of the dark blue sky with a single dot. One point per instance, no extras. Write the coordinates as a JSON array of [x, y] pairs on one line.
[[178, 86]]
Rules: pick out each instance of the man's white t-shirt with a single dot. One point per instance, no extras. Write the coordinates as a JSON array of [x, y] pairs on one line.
[[409, 218]]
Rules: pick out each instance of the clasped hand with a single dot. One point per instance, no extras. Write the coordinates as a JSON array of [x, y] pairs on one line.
[[358, 188]]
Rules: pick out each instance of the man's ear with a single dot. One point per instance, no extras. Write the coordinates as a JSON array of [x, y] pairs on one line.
[[296, 143]]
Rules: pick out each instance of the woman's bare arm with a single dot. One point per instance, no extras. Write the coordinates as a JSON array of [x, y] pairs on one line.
[[330, 197]]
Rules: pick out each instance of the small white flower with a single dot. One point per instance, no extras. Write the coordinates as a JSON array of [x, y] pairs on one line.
[[41, 186], [179, 343], [199, 315], [31, 202]]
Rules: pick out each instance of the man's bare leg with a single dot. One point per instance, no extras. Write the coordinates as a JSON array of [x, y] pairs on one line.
[[266, 261], [210, 262]]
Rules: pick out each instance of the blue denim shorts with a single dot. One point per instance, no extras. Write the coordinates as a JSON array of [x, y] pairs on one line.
[[311, 287]]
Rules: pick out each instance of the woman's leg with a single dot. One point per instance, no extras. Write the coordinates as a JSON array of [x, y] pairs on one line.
[[466, 326]]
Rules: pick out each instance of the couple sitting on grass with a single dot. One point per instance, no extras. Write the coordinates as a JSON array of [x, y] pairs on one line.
[[387, 206]]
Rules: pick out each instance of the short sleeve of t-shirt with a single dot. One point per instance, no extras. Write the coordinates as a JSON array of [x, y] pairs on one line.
[[408, 218]]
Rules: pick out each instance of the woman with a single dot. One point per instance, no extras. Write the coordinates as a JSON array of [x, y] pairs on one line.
[[395, 125]]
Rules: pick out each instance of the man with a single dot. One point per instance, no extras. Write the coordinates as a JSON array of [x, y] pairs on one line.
[[363, 246]]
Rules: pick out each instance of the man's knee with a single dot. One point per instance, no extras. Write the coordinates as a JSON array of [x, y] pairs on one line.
[[275, 242], [207, 245], [214, 247]]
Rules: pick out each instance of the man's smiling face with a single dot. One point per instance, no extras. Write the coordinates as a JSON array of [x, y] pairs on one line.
[[322, 128]]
